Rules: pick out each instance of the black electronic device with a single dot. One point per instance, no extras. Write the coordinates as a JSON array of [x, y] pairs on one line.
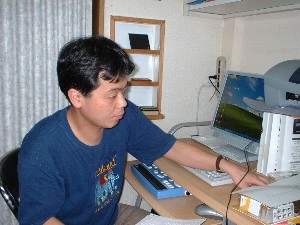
[[139, 41]]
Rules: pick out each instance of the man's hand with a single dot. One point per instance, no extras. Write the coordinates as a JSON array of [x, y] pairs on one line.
[[237, 173]]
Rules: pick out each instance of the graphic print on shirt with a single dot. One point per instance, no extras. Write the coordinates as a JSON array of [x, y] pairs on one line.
[[106, 187]]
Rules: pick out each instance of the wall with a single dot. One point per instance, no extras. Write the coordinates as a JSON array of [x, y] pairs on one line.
[[192, 46], [256, 43]]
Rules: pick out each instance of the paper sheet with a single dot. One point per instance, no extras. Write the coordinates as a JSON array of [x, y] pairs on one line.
[[159, 220]]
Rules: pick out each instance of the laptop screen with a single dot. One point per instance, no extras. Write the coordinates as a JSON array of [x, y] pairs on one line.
[[234, 113]]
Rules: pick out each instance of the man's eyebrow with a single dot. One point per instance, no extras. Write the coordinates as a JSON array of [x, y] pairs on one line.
[[117, 89]]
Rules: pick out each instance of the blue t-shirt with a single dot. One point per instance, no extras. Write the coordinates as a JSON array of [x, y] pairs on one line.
[[79, 184]]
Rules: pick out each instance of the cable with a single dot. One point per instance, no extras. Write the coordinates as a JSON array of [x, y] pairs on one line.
[[233, 189], [210, 79], [207, 84]]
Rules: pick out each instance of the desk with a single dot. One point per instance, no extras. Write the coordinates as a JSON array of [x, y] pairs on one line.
[[183, 207], [178, 208]]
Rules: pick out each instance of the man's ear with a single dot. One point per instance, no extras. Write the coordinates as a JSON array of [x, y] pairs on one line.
[[75, 97]]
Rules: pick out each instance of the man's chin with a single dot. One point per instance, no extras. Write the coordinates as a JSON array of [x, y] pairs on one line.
[[114, 123]]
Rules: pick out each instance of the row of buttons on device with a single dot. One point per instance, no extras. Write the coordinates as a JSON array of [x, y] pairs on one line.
[[157, 182], [159, 173]]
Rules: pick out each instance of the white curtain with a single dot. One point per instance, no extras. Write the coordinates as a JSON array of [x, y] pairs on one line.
[[32, 32]]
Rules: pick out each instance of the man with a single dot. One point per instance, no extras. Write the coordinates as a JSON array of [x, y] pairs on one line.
[[71, 164]]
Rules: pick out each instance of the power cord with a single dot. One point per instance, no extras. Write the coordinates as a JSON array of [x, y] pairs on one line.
[[215, 77], [207, 84], [233, 189]]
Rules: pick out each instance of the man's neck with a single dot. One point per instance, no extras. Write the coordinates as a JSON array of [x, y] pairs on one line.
[[85, 132]]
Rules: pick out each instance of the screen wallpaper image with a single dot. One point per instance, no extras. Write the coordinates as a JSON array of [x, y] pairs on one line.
[[234, 115]]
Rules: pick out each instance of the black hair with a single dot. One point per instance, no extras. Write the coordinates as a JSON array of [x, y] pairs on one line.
[[82, 61]]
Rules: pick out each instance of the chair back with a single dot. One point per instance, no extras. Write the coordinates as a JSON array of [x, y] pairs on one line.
[[9, 183]]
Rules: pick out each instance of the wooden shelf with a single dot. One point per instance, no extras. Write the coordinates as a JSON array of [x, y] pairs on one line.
[[156, 117], [138, 20], [142, 83], [143, 51], [145, 88]]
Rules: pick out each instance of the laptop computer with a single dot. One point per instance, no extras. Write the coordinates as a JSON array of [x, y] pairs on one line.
[[236, 127]]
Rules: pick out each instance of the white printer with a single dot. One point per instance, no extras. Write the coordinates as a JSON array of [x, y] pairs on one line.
[[282, 84]]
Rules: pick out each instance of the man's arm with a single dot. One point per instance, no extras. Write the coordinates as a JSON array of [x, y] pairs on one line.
[[53, 221], [191, 156]]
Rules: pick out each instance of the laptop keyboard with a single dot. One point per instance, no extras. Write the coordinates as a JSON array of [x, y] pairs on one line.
[[224, 149], [231, 152], [235, 154], [208, 140]]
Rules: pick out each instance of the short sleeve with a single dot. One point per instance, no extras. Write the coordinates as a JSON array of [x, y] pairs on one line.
[[147, 142], [43, 186]]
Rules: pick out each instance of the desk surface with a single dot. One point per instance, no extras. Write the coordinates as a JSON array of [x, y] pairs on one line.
[[178, 208], [216, 197]]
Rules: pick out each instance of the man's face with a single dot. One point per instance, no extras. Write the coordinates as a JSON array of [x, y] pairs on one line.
[[104, 107]]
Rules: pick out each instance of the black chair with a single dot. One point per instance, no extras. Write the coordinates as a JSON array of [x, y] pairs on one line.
[[9, 183]]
